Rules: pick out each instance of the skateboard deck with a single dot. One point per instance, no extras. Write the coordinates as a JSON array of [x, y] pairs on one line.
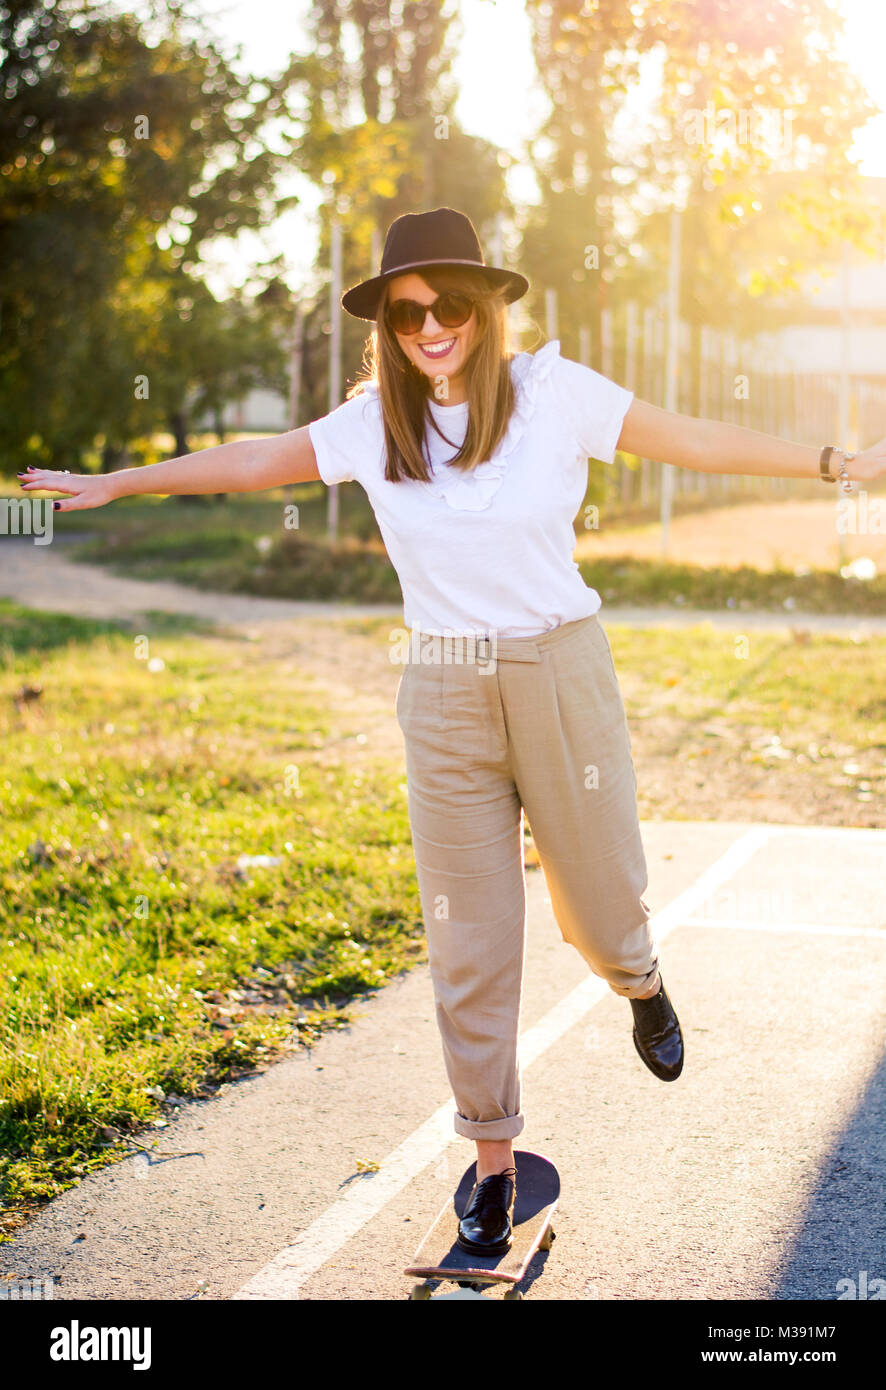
[[439, 1257]]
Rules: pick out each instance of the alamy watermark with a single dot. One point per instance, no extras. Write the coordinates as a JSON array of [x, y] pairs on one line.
[[76, 1343], [28, 1290], [864, 1287], [27, 516], [765, 128], [411, 645], [860, 515]]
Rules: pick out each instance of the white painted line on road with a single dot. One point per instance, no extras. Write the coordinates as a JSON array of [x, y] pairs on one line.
[[292, 1267], [810, 928], [286, 1273], [855, 833], [558, 1020]]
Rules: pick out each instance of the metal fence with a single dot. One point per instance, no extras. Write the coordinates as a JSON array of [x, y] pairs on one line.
[[742, 382]]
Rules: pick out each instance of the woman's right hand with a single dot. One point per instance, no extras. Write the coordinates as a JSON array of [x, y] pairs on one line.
[[82, 490]]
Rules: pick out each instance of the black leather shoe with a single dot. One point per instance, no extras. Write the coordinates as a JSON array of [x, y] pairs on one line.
[[657, 1035], [485, 1226]]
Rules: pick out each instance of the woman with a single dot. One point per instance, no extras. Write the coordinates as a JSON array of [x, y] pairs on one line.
[[475, 463]]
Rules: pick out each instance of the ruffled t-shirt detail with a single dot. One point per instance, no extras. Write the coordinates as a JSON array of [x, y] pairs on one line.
[[474, 489], [489, 550]]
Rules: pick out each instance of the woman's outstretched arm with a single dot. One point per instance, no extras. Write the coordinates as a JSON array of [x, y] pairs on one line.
[[713, 446], [244, 465]]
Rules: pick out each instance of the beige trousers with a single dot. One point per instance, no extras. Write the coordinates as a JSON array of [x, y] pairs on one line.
[[494, 728]]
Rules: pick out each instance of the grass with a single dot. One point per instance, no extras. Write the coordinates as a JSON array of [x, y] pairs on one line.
[[139, 960], [142, 963], [785, 726], [249, 543], [244, 545], [653, 584]]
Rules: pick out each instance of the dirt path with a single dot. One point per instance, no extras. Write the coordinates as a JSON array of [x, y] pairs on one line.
[[764, 535], [683, 767], [46, 577]]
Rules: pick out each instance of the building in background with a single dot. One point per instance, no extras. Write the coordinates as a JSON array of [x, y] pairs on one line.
[[853, 297], [261, 411], [839, 311]]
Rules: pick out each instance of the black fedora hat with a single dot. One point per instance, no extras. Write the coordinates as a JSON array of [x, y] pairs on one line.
[[417, 239]]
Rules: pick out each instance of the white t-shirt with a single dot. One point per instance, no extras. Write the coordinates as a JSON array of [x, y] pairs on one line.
[[488, 551]]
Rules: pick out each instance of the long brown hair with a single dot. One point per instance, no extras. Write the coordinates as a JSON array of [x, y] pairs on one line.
[[404, 390]]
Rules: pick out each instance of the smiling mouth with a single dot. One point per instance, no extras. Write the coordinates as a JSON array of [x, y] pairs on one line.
[[436, 350]]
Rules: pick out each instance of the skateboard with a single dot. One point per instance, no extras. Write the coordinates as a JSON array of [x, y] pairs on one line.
[[439, 1257]]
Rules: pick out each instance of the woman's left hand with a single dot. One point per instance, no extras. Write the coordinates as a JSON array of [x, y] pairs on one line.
[[869, 465]]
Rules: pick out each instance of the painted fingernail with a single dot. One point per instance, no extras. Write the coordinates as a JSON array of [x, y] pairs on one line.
[[56, 506]]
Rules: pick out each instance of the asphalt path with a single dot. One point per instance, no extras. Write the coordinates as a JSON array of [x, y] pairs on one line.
[[759, 1174]]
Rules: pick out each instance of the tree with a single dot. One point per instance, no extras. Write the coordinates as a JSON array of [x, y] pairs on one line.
[[612, 191], [377, 130], [128, 146]]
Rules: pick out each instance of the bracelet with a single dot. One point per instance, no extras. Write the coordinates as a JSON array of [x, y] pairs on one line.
[[824, 466]]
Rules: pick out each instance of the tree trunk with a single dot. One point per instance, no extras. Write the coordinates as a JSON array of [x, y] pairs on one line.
[[113, 456], [179, 425], [218, 420]]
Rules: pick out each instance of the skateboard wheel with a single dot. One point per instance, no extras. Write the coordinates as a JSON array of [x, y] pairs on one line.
[[420, 1291], [547, 1239], [512, 1294]]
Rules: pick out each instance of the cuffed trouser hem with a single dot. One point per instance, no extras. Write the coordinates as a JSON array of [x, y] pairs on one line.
[[508, 1127], [643, 986]]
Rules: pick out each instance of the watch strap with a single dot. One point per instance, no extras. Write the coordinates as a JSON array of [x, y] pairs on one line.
[[824, 463]]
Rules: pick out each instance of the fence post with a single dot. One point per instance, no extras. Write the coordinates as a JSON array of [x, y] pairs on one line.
[[630, 381], [295, 361], [334, 361], [551, 314], [704, 479], [735, 480], [659, 392], [615, 484], [844, 407], [648, 350], [684, 478], [671, 370]]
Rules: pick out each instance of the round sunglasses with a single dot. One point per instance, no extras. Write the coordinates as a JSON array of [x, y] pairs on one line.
[[450, 310]]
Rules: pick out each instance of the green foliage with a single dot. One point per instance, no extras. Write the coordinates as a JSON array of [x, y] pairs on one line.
[[647, 583], [758, 211], [135, 953], [378, 131], [131, 144], [122, 155]]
